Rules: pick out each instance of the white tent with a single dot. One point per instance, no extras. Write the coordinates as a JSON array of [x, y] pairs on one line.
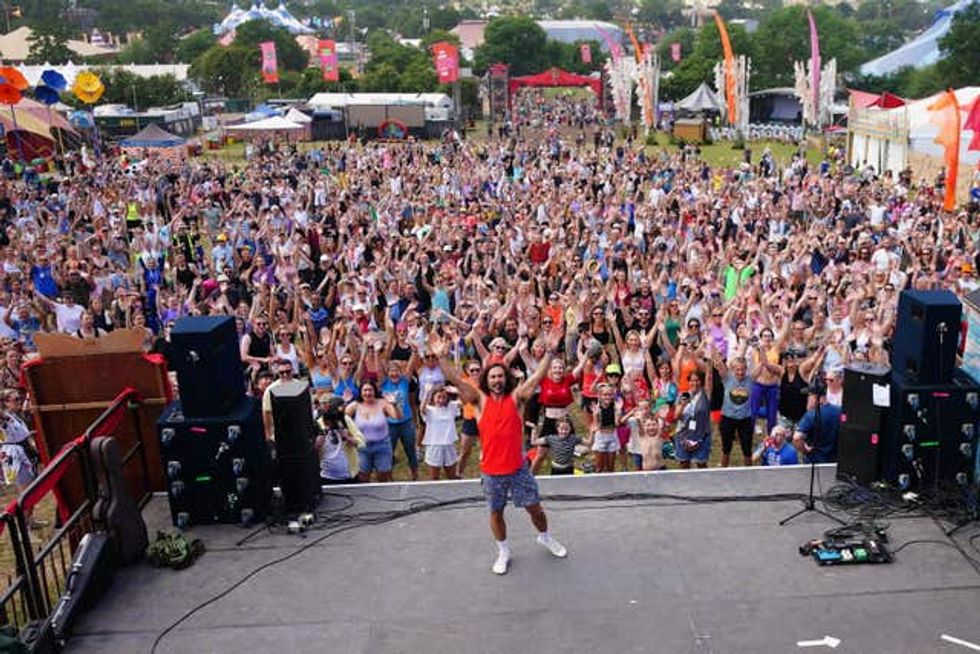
[[921, 51], [703, 99], [297, 116], [271, 124]]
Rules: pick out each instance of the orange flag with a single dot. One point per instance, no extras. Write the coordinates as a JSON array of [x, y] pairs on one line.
[[637, 52], [944, 113], [726, 45]]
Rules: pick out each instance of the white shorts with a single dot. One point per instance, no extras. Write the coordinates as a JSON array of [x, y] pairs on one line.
[[440, 456], [605, 442]]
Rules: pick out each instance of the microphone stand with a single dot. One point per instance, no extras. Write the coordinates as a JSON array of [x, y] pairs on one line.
[[811, 504]]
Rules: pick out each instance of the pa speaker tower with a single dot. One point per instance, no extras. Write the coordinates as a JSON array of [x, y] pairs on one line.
[[209, 365], [926, 336], [292, 415]]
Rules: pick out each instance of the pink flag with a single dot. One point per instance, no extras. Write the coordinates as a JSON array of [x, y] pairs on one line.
[[586, 53], [675, 52], [270, 69], [328, 60], [614, 48], [814, 63], [972, 122], [446, 59]]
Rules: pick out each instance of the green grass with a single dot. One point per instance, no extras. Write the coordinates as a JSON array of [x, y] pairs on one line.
[[722, 155]]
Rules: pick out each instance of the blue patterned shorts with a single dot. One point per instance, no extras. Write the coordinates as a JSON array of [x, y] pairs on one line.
[[520, 487]]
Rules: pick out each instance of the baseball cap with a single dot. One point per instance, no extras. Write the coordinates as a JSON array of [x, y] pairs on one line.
[[614, 369]]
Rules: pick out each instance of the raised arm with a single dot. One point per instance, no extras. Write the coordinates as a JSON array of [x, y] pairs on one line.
[[440, 347]]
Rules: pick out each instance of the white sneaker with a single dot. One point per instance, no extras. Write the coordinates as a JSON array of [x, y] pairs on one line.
[[556, 548], [500, 565]]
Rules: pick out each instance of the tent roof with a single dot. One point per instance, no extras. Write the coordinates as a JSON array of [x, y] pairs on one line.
[[920, 51], [703, 99], [886, 100], [153, 136], [297, 116], [270, 124], [556, 77]]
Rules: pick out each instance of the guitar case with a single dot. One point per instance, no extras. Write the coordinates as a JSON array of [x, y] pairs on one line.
[[90, 575], [114, 507]]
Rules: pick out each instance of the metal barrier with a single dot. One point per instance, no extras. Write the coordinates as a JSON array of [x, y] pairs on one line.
[[41, 570]]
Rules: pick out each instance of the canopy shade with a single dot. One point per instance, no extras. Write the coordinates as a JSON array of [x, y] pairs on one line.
[[703, 99], [153, 136], [271, 124]]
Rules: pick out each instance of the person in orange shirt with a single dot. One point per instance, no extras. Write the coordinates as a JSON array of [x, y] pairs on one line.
[[470, 432]]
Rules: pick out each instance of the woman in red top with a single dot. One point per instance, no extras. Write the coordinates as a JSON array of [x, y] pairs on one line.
[[554, 398]]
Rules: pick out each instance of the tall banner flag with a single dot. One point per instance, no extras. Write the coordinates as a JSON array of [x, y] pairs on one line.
[[945, 114], [328, 60], [446, 60], [814, 65], [614, 49], [973, 122], [586, 52], [726, 45], [675, 52], [637, 50], [270, 70]]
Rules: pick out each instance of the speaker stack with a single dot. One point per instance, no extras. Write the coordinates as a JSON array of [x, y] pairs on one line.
[[212, 442], [866, 396], [934, 408], [299, 472]]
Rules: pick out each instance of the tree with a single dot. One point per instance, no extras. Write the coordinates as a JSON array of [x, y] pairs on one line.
[[961, 56], [289, 56], [157, 46], [698, 66], [663, 13], [194, 45], [49, 43], [383, 78], [518, 41], [123, 87], [784, 39], [231, 71], [685, 36]]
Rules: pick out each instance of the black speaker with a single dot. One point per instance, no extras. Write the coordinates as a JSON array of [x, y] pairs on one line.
[[932, 433], [864, 381], [208, 364], [926, 336], [858, 454], [218, 470], [299, 470]]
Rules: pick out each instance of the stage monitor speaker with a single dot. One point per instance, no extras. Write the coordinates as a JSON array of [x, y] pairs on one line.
[[865, 382], [208, 364], [931, 433], [858, 458], [295, 433], [926, 336], [218, 470]]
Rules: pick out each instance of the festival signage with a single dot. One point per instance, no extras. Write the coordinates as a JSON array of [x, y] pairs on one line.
[[586, 53], [328, 60], [270, 68], [446, 60]]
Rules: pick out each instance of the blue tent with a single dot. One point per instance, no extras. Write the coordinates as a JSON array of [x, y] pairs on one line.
[[153, 136]]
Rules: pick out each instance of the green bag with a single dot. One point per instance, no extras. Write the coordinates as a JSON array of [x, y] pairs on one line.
[[174, 551]]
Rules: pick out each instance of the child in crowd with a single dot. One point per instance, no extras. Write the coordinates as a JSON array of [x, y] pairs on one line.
[[439, 415], [561, 446]]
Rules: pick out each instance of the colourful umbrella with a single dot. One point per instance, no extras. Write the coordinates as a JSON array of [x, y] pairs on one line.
[[9, 94], [54, 79], [46, 94], [88, 87], [14, 77], [81, 119]]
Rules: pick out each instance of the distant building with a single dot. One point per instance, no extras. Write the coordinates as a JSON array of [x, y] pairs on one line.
[[471, 32], [16, 46]]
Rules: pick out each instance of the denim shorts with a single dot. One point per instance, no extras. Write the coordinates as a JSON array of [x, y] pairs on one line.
[[699, 455], [440, 456], [375, 456], [520, 487]]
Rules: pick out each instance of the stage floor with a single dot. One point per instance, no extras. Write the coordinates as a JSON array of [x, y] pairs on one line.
[[675, 577]]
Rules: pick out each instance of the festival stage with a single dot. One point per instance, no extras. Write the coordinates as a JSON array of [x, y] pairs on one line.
[[641, 576]]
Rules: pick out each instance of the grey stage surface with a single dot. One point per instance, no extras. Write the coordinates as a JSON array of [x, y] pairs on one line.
[[673, 578]]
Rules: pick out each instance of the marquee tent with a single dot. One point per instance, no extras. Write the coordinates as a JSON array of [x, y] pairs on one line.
[[153, 136], [556, 77], [703, 99], [270, 127]]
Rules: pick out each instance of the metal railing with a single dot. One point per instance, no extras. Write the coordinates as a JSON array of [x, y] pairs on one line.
[[41, 568]]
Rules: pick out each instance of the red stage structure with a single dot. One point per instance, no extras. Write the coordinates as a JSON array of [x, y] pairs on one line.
[[554, 77]]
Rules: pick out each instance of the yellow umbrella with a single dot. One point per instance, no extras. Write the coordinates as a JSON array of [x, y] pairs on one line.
[[88, 87]]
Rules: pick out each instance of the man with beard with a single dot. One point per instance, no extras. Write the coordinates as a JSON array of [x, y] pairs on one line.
[[504, 470]]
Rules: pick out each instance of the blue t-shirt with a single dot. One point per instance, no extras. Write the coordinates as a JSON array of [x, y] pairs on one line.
[[401, 389], [825, 440], [784, 456], [735, 404]]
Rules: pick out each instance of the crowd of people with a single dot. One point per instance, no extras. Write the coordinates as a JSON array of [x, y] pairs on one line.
[[679, 307]]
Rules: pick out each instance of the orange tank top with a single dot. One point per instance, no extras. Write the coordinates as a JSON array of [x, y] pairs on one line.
[[501, 437], [688, 366]]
